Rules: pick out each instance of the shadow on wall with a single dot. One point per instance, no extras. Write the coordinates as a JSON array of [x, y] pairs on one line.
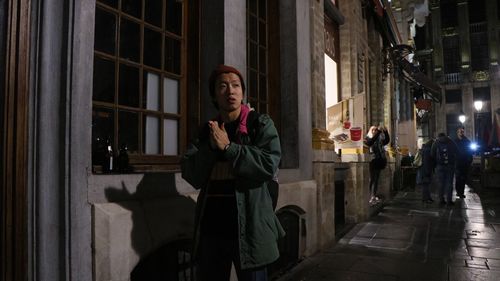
[[162, 226]]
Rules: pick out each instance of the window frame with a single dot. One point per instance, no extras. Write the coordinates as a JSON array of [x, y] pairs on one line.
[[272, 60], [140, 161]]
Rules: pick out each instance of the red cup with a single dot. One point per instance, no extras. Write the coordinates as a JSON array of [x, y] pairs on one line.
[[355, 133], [347, 124]]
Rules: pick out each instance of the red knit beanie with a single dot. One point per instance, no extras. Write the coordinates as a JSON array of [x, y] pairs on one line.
[[220, 69]]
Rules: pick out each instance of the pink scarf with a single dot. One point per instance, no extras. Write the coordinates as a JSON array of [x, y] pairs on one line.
[[242, 128]]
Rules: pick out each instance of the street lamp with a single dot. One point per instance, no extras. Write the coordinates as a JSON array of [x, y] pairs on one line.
[[461, 118], [478, 105]]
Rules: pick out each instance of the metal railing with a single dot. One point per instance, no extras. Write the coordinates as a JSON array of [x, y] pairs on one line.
[[453, 78]]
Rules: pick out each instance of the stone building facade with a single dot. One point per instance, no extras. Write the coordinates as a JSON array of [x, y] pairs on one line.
[[76, 222], [465, 36]]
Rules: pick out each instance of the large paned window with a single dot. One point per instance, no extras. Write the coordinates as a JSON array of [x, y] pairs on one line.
[[498, 9], [481, 93], [453, 96], [263, 63], [139, 78], [477, 11], [479, 46], [451, 53], [449, 13], [257, 55]]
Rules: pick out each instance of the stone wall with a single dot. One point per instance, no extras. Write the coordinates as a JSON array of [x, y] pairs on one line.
[[318, 64]]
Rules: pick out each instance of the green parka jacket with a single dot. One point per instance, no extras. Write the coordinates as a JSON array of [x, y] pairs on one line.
[[254, 164]]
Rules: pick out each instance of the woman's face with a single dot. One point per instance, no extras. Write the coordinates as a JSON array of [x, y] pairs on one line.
[[374, 130], [228, 92]]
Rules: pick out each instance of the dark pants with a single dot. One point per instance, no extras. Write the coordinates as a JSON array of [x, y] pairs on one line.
[[445, 177], [374, 176], [424, 178], [461, 174], [216, 257], [219, 244]]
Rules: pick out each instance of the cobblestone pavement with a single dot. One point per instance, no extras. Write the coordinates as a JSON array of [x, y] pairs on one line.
[[412, 241]]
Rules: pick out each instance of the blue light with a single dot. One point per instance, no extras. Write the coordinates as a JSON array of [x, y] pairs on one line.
[[473, 146]]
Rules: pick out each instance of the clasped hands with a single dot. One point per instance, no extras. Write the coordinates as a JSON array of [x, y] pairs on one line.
[[218, 135]]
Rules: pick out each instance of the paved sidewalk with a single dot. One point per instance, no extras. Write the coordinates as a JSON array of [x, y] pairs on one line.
[[412, 241]]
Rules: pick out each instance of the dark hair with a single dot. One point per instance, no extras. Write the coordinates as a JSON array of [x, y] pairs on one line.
[[220, 69]]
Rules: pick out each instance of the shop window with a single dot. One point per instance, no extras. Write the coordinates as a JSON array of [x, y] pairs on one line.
[[139, 82]]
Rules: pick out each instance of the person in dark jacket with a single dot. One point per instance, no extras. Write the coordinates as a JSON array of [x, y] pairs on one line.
[[424, 171], [235, 220], [444, 153], [376, 139], [464, 161]]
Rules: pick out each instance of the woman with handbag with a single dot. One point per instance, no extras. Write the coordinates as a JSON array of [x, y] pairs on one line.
[[376, 139]]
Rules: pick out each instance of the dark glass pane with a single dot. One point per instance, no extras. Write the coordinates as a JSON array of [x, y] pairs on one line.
[[262, 9], [102, 132], [104, 80], [252, 84], [153, 12], [253, 55], [128, 128], [102, 123], [172, 55], [482, 94], [262, 88], [453, 96], [262, 60], [477, 11], [112, 3], [130, 40], [132, 7], [252, 6], [262, 34], [105, 31], [129, 86], [252, 28], [174, 16], [152, 48]]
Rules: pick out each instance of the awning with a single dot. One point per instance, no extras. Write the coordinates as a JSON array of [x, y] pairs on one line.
[[412, 73]]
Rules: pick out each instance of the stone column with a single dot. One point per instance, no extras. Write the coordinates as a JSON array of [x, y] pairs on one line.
[[223, 40], [467, 101]]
